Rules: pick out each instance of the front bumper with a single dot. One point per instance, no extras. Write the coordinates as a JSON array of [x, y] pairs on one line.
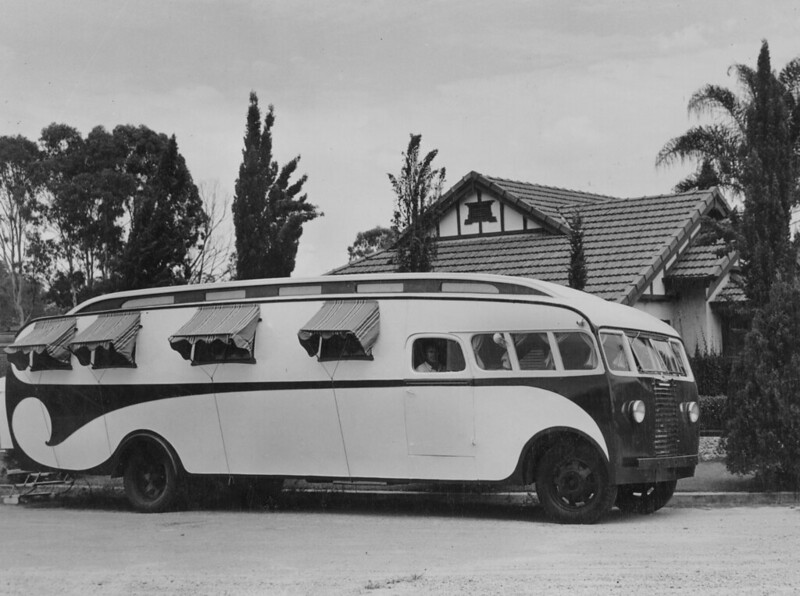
[[638, 470]]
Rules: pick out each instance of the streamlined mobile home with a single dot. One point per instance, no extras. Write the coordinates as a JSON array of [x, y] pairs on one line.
[[412, 377]]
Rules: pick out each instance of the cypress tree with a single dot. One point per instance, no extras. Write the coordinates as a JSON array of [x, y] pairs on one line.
[[417, 188], [268, 210], [763, 409], [165, 226], [577, 256], [770, 179], [763, 432]]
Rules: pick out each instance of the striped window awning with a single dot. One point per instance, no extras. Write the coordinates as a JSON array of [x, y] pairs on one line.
[[219, 333], [351, 326], [108, 342], [45, 346]]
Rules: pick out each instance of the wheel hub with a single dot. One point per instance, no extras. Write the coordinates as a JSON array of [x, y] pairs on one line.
[[574, 483]]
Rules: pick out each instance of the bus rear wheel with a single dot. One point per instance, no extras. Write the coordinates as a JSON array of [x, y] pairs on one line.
[[572, 484], [644, 498], [150, 478]]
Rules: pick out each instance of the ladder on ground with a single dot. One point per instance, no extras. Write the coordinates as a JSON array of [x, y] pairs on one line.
[[22, 485]]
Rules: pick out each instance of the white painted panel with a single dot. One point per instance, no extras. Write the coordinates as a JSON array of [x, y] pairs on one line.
[[507, 417], [373, 425], [427, 467], [190, 424], [448, 223], [492, 227], [658, 284], [472, 316], [282, 432], [514, 220], [372, 418], [440, 420], [32, 428]]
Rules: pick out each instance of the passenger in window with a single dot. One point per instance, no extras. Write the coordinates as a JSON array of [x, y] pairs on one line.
[[489, 352], [431, 362], [505, 359]]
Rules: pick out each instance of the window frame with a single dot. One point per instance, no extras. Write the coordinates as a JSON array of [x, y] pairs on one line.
[[626, 347], [422, 337], [557, 371], [629, 335], [237, 354]]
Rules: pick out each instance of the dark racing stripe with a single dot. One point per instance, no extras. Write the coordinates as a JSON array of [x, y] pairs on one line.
[[73, 406]]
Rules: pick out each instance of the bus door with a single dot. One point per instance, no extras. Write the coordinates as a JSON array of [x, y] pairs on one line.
[[439, 402]]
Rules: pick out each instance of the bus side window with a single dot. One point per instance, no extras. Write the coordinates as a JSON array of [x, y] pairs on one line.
[[533, 351], [577, 351], [614, 348], [437, 354], [490, 351]]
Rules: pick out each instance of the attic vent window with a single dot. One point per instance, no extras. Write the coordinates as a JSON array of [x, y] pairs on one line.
[[479, 212]]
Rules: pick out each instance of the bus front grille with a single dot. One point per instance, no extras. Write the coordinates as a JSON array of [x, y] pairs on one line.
[[666, 425]]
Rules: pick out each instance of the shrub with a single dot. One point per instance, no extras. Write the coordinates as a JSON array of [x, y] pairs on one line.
[[712, 412], [711, 372], [762, 434]]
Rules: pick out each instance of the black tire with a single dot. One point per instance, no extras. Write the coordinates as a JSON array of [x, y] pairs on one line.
[[572, 484], [644, 498], [151, 478]]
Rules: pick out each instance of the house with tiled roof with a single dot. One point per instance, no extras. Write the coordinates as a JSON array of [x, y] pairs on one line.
[[643, 252]]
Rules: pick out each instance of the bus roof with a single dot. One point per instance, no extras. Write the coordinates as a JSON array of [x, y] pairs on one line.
[[600, 313]]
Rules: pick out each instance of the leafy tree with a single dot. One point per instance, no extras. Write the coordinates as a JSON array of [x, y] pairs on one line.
[[20, 208], [763, 413], [417, 188], [122, 212], [577, 256], [166, 224], [370, 242], [88, 186], [268, 210]]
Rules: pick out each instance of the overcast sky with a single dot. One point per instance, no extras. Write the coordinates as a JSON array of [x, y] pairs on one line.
[[579, 95]]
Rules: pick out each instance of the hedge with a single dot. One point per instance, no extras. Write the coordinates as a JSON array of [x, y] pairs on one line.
[[712, 412]]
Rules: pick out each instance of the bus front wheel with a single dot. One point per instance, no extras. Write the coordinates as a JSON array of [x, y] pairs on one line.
[[645, 498], [572, 484], [150, 478]]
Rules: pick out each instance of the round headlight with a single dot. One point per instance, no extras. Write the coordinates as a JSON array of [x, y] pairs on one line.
[[636, 410], [692, 410]]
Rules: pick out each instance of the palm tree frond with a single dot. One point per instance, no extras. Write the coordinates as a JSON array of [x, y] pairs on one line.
[[712, 98]]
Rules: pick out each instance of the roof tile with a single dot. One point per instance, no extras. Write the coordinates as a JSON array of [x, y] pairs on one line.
[[623, 240]]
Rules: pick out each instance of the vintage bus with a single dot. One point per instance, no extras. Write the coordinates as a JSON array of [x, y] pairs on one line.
[[394, 378]]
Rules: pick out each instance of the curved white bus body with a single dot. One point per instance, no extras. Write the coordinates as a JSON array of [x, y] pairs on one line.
[[296, 416], [368, 414]]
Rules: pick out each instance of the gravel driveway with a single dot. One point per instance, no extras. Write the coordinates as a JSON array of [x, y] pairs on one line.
[[396, 549]]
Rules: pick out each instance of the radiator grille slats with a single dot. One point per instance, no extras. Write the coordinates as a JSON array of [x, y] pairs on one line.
[[666, 419]]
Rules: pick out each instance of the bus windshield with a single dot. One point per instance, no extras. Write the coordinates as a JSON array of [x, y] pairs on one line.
[[657, 355]]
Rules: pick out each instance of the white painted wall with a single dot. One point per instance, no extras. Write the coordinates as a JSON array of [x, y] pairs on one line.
[[511, 220], [692, 317]]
